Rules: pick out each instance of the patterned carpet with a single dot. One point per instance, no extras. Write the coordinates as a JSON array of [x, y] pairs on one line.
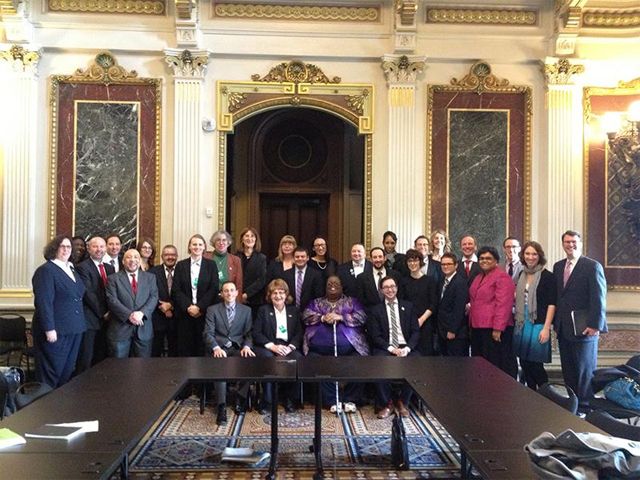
[[187, 445]]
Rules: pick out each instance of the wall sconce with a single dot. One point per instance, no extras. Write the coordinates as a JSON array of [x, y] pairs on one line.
[[623, 135]]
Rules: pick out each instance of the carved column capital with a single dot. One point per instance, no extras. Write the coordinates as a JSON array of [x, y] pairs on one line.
[[187, 63], [403, 69], [560, 71], [20, 60]]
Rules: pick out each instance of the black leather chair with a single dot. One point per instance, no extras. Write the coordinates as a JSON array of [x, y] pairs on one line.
[[13, 339], [560, 394], [613, 426]]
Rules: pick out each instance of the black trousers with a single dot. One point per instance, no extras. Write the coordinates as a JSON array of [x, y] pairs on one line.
[[499, 353], [288, 390]]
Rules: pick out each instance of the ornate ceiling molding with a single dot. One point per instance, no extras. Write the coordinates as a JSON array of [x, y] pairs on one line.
[[560, 71], [406, 11], [321, 13], [402, 69], [187, 63], [295, 72], [511, 17], [138, 7], [19, 59], [184, 9], [611, 18]]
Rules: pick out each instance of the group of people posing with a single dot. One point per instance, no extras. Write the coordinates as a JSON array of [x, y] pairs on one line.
[[426, 301]]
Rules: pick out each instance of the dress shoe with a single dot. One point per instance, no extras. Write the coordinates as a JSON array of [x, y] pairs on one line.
[[384, 413], [221, 418], [241, 406], [402, 409], [264, 408], [289, 407]]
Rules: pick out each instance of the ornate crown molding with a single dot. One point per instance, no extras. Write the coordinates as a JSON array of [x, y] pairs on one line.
[[406, 11], [319, 13], [480, 79], [610, 18], [560, 72], [187, 63], [184, 9], [634, 84], [20, 60], [512, 17], [402, 68], [295, 72], [104, 69], [137, 7]]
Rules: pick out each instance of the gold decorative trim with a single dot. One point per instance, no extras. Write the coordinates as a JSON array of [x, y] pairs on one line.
[[111, 73], [598, 18], [510, 17], [480, 80], [406, 10], [184, 9], [319, 13], [560, 73], [8, 7], [299, 85], [295, 72], [142, 7], [16, 293], [20, 58]]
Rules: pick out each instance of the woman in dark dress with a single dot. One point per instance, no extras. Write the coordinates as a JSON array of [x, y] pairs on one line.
[[321, 261], [421, 291], [393, 259], [254, 268], [536, 293]]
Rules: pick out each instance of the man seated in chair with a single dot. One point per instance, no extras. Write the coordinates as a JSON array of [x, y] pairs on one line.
[[227, 333], [393, 331]]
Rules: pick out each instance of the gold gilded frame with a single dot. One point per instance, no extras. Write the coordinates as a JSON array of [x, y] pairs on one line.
[[621, 90], [295, 84], [480, 79], [104, 70]]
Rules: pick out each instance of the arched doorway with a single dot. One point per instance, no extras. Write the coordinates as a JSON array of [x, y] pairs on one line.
[[297, 171], [295, 155]]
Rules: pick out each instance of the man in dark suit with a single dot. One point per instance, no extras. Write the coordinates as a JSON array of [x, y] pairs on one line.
[[582, 290], [431, 267], [164, 322], [368, 283], [94, 272], [132, 296], [349, 271], [453, 328], [393, 331], [468, 265], [227, 333], [305, 284], [114, 247], [195, 288]]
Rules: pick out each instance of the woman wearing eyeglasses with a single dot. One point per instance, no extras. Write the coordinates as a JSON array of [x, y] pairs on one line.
[[490, 313], [58, 320]]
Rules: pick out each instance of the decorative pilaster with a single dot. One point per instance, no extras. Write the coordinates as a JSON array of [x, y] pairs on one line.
[[189, 68], [187, 24], [18, 120], [406, 28], [565, 169], [405, 182]]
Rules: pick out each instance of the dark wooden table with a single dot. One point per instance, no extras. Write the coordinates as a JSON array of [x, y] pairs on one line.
[[126, 396]]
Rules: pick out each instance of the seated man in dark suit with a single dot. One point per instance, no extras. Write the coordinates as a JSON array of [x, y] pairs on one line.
[[393, 331], [453, 328], [227, 333], [132, 296]]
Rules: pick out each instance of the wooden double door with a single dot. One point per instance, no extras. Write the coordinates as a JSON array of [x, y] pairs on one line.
[[297, 171]]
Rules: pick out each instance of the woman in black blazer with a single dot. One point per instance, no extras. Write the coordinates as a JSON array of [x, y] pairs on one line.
[[254, 268], [535, 307], [277, 332]]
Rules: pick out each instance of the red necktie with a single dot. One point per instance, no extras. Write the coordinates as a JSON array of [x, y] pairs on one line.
[[467, 267], [134, 284], [103, 274]]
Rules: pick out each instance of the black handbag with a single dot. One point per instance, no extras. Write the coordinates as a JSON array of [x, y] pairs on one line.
[[399, 446], [10, 380]]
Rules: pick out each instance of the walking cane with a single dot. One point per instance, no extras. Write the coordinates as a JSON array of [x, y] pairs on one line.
[[335, 354]]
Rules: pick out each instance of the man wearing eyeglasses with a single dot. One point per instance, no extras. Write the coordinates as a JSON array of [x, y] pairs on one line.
[[453, 292], [394, 331], [512, 264]]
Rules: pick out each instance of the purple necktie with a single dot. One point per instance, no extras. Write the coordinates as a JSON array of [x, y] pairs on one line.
[[298, 287]]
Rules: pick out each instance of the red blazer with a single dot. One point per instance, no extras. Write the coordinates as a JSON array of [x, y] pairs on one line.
[[491, 297]]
